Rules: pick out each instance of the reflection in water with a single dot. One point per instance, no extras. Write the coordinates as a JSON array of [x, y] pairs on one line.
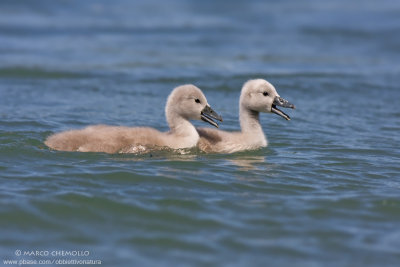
[[248, 163]]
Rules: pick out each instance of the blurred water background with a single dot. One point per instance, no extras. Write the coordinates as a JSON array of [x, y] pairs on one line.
[[325, 192]]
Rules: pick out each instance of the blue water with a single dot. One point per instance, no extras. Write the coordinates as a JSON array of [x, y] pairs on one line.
[[325, 192]]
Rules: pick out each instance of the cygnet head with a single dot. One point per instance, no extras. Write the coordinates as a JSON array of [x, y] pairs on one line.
[[261, 96], [188, 101]]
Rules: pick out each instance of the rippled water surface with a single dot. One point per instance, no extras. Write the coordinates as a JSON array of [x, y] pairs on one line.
[[325, 192]]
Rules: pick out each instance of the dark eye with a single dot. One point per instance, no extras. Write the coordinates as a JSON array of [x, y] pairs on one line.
[[265, 93], [197, 100]]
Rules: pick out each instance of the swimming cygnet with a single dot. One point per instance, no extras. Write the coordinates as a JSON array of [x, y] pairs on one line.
[[186, 102], [257, 96]]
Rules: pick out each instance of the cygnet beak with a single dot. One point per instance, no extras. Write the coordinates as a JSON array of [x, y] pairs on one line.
[[279, 101], [208, 114]]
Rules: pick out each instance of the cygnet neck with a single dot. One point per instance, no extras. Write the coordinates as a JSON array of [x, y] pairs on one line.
[[250, 121], [180, 126]]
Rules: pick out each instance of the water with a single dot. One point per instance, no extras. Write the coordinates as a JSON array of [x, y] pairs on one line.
[[325, 192]]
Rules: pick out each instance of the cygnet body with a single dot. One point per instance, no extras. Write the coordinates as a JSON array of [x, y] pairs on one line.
[[186, 102], [257, 96]]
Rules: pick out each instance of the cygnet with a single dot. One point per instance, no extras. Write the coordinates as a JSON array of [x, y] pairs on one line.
[[257, 96], [186, 102]]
